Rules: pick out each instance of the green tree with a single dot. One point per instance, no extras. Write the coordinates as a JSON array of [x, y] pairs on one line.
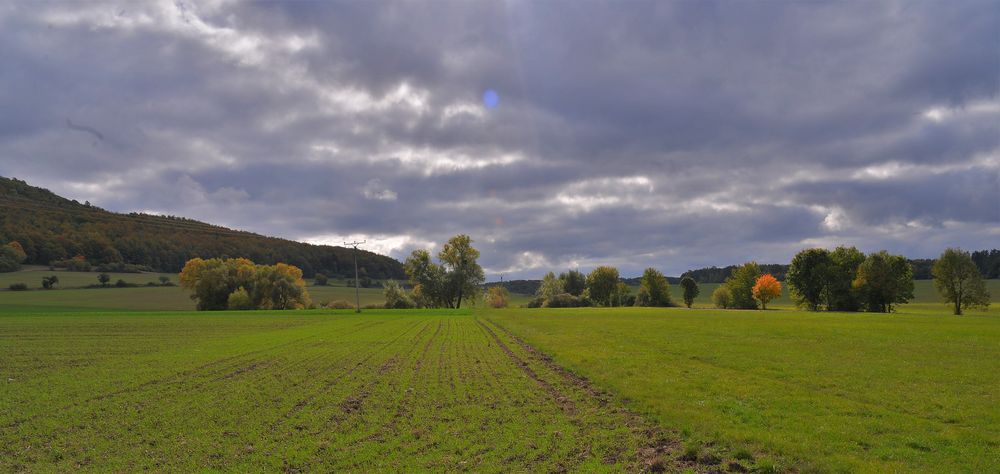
[[321, 279], [808, 276], [427, 278], [958, 280], [464, 275], [602, 285], [740, 285], [840, 293], [104, 278], [574, 282], [654, 290], [395, 296], [690, 288], [239, 300], [551, 286], [50, 282], [884, 280], [457, 277], [722, 297]]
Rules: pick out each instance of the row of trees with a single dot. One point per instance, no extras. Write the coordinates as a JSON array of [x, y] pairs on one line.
[[845, 279], [604, 287], [240, 284]]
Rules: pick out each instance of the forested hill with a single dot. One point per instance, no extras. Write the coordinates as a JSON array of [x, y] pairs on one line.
[[52, 228]]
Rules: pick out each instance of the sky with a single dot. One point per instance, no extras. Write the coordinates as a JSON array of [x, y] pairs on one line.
[[557, 134]]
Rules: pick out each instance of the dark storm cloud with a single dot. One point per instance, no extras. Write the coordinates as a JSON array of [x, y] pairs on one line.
[[671, 134]]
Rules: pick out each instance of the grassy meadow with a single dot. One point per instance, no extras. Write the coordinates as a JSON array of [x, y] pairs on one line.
[[849, 392], [95, 379], [293, 391]]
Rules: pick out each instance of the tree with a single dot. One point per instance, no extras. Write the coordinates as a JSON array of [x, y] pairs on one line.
[[884, 280], [740, 285], [464, 275], [239, 300], [808, 277], [458, 275], [427, 279], [164, 280], [321, 279], [840, 293], [959, 281], [690, 288], [722, 297], [766, 289], [50, 282], [574, 282], [602, 285], [212, 281], [550, 287], [654, 290], [104, 278], [395, 296], [278, 286], [497, 296], [11, 257]]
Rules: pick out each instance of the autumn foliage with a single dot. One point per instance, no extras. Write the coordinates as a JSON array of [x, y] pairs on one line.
[[238, 283], [766, 289]]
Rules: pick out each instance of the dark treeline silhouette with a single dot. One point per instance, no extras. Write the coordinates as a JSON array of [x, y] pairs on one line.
[[52, 229]]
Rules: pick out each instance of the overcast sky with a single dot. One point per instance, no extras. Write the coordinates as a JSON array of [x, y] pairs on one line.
[[668, 134]]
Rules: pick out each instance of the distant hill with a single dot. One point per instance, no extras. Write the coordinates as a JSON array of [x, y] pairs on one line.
[[53, 228]]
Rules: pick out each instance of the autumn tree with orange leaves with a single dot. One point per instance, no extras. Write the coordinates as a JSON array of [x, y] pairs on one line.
[[766, 289]]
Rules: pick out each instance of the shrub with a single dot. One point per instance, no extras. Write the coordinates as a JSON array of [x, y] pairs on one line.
[[396, 297], [321, 279], [49, 282], [240, 300], [497, 297], [535, 303], [565, 300], [340, 304], [164, 280], [121, 283], [722, 297], [18, 286]]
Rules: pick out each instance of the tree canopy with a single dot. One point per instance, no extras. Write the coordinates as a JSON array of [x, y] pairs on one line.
[[445, 284], [216, 282], [959, 282]]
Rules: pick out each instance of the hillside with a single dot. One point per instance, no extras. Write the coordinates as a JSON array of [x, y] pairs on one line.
[[52, 228]]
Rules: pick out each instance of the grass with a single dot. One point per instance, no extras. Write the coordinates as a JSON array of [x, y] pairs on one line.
[[32, 275], [88, 381], [905, 392], [318, 391]]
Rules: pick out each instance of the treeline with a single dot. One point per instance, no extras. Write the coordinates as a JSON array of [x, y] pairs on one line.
[[844, 279], [54, 230], [987, 262]]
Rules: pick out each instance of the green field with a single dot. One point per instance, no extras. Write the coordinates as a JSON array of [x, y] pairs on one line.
[[824, 391], [319, 391], [88, 381]]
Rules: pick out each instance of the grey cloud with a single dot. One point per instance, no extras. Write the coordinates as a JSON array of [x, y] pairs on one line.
[[723, 132]]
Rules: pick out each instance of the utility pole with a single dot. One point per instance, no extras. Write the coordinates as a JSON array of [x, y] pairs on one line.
[[357, 292]]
